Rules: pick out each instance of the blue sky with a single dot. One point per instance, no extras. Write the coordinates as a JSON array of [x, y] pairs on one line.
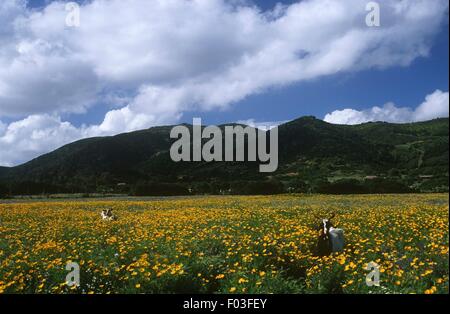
[[405, 86], [136, 64]]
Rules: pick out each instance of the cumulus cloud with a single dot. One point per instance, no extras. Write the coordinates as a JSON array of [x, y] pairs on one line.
[[436, 105], [169, 57], [23, 139]]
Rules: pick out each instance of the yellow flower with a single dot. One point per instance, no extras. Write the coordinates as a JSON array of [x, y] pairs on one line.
[[427, 272]]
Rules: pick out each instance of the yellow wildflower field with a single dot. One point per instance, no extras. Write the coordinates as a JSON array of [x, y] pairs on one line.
[[226, 244]]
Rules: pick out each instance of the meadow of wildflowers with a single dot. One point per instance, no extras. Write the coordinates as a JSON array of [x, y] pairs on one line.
[[229, 244]]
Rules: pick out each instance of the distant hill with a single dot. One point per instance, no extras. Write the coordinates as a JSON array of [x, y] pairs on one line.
[[315, 156], [3, 171]]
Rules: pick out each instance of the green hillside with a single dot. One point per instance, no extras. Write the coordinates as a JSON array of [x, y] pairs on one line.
[[315, 156]]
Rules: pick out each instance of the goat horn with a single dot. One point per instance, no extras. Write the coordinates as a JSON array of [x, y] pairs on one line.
[[332, 216]]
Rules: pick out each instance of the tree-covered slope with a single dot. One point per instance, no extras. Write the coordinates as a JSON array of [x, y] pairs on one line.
[[311, 152]]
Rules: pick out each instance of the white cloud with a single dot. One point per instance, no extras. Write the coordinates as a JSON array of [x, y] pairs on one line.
[[211, 52], [24, 139], [168, 57], [435, 106]]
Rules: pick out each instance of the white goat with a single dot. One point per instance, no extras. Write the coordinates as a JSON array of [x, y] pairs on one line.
[[331, 239], [107, 214]]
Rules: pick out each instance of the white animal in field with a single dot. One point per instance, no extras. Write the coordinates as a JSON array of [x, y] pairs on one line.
[[331, 239], [103, 214], [337, 239], [107, 214]]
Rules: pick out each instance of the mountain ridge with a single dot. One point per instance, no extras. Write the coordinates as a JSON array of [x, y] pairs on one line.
[[311, 152]]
